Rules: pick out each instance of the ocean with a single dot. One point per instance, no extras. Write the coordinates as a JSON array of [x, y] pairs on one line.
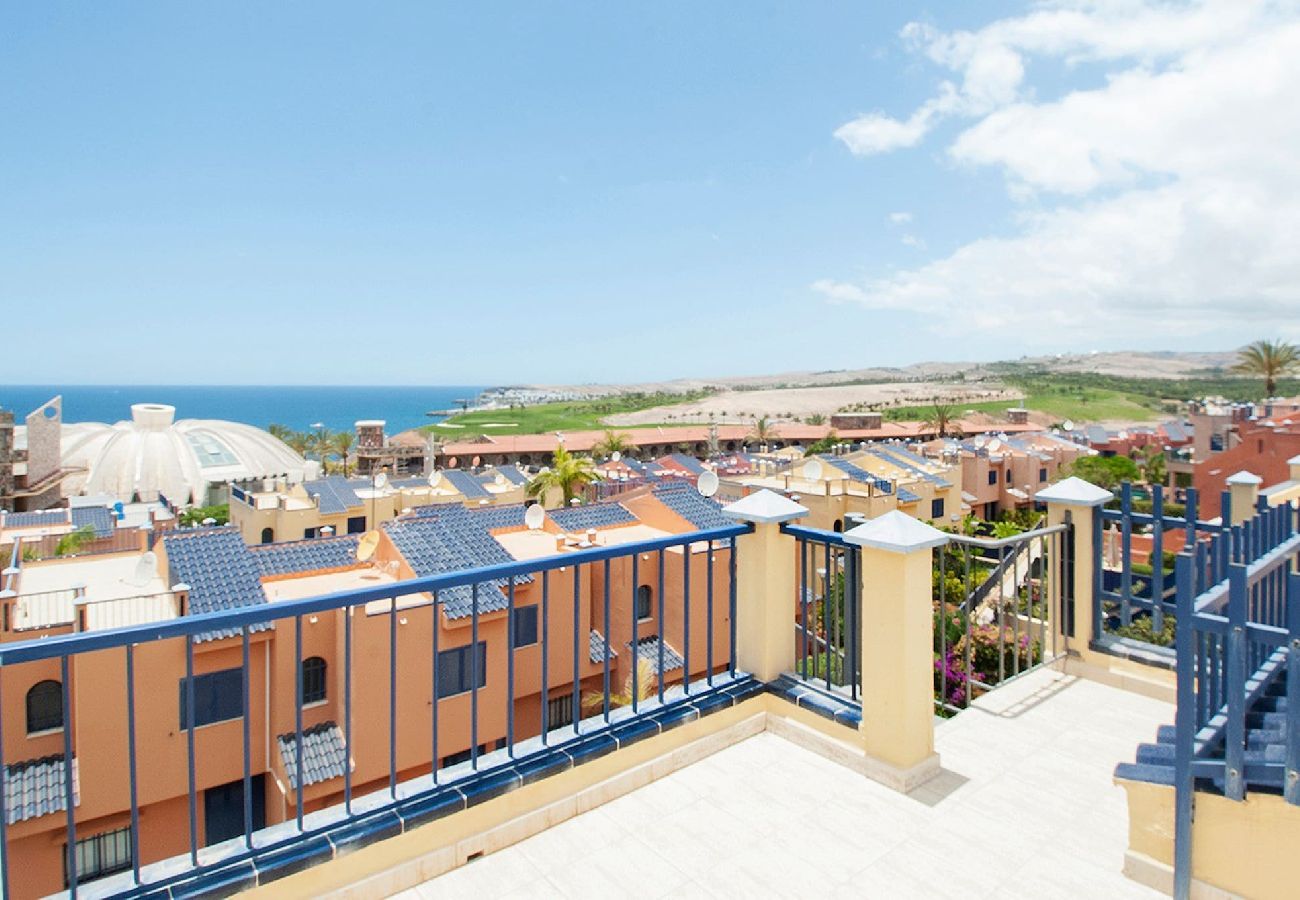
[[337, 408]]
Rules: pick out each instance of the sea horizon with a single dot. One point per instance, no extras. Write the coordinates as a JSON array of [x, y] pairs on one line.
[[337, 407]]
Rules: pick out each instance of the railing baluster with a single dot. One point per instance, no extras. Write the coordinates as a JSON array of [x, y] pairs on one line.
[[433, 687], [4, 804], [473, 678], [1126, 554], [69, 795], [731, 600], [189, 739], [1235, 733], [1158, 560], [546, 652], [347, 708], [297, 717], [663, 630], [510, 668], [708, 607], [577, 684], [802, 545], [606, 630], [1184, 734], [852, 622], [968, 617], [686, 619], [942, 625], [131, 764], [1291, 783], [636, 651], [248, 748], [827, 638]]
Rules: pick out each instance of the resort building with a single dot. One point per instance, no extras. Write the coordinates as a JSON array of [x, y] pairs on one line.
[[841, 488], [335, 505], [185, 462], [1265, 452], [32, 473], [407, 453], [1002, 473], [314, 730]]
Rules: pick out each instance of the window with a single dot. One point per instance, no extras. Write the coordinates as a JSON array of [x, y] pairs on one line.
[[936, 508], [44, 707], [218, 696], [1042, 474], [559, 711], [454, 675], [356, 524], [644, 602], [525, 633], [308, 533], [1008, 479], [100, 855], [993, 476], [313, 680]]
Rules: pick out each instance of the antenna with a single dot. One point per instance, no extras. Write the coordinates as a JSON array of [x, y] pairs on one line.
[[534, 516], [367, 546], [707, 484], [812, 470]]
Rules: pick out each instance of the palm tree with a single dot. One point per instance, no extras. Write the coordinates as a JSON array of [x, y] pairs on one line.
[[763, 432], [613, 442], [283, 432], [298, 441], [1268, 359], [322, 444], [940, 418], [646, 686], [343, 446], [568, 473]]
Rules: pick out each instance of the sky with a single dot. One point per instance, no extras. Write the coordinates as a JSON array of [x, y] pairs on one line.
[[420, 193]]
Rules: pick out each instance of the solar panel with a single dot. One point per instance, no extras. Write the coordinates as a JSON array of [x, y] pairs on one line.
[[334, 494], [99, 518], [595, 515], [465, 483], [910, 461]]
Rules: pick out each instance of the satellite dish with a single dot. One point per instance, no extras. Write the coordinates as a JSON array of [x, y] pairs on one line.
[[534, 516], [367, 546], [146, 568], [435, 479], [500, 479], [1068, 425], [708, 484], [381, 480], [980, 440], [1123, 435], [615, 456], [813, 470], [995, 444]]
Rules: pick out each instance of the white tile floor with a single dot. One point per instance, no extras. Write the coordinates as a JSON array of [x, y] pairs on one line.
[[1025, 807]]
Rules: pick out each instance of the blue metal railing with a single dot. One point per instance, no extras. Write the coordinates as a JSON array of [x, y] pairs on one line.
[[1238, 642], [1123, 595], [828, 610], [520, 742]]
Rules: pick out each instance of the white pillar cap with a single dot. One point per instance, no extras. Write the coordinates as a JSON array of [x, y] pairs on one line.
[[1244, 477], [896, 532], [1074, 491], [765, 506]]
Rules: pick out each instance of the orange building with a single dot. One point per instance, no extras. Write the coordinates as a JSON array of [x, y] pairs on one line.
[[500, 676]]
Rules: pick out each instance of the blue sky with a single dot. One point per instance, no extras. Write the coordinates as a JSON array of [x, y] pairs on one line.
[[313, 193]]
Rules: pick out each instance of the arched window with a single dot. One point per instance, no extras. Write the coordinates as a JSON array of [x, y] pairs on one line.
[[44, 707], [839, 525], [268, 535], [644, 602], [313, 680]]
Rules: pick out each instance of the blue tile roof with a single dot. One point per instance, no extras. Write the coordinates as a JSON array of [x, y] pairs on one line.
[[594, 515], [906, 496], [683, 499], [464, 482], [334, 493], [596, 647], [219, 569], [323, 754], [859, 474], [1097, 434], [450, 538], [98, 518], [42, 519], [37, 788], [648, 649], [312, 555]]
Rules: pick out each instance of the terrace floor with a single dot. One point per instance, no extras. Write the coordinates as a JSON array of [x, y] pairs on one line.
[[1024, 807]]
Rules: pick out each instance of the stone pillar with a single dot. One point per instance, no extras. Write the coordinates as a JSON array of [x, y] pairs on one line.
[[1078, 501], [766, 584], [897, 636], [1243, 491]]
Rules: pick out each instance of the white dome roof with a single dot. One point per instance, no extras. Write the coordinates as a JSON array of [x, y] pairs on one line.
[[153, 453]]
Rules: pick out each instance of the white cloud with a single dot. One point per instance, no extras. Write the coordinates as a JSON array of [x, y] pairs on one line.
[[900, 218], [1167, 196], [912, 240]]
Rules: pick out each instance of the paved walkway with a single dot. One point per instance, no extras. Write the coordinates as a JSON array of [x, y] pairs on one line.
[[1025, 807]]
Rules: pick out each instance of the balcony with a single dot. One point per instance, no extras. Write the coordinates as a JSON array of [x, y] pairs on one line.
[[633, 711]]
